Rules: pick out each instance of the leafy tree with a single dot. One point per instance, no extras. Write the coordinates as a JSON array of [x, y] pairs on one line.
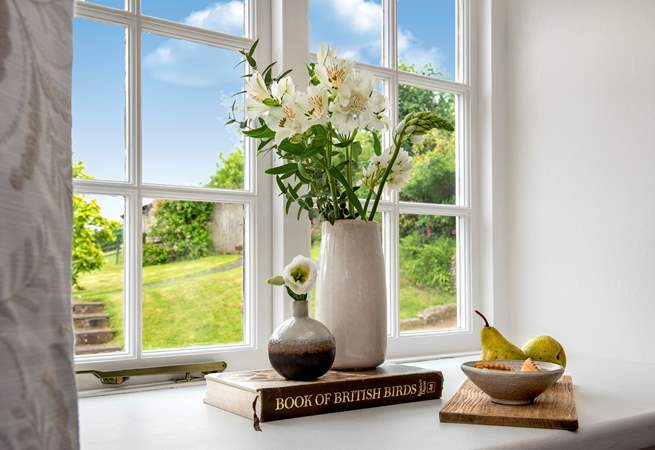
[[90, 231], [229, 171]]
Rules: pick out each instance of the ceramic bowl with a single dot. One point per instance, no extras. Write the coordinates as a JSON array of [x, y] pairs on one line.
[[516, 387]]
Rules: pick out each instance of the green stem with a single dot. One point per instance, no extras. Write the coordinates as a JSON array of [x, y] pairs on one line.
[[368, 199], [387, 171], [349, 176], [333, 189]]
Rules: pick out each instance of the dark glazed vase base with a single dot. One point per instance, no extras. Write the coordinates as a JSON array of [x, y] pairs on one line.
[[302, 366]]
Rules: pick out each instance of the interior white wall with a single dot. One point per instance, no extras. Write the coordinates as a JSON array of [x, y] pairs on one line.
[[580, 177]]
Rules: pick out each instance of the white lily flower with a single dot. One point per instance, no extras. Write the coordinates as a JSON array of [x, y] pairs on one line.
[[286, 120], [358, 105], [300, 274], [315, 104], [331, 71], [401, 170], [256, 87], [279, 89]]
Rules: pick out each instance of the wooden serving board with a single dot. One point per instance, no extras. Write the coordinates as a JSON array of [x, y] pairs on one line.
[[555, 408]]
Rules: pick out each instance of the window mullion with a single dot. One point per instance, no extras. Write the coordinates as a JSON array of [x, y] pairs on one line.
[[133, 275]]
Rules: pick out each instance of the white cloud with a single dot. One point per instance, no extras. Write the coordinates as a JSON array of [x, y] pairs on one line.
[[364, 17], [223, 17], [411, 52], [189, 64]]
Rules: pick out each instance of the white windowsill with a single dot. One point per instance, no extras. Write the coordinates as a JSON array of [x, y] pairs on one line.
[[615, 404]]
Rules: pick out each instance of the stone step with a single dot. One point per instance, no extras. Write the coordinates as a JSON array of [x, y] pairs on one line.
[[87, 321], [87, 349], [88, 308], [98, 336]]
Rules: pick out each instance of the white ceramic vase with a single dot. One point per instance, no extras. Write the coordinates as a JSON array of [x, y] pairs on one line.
[[352, 294]]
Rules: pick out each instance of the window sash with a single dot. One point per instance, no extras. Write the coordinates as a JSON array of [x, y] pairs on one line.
[[257, 194]]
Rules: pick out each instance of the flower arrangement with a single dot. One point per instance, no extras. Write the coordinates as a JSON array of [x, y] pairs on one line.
[[314, 132], [298, 277]]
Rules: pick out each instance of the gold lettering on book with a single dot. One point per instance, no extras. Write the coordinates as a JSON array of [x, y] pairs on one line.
[[353, 396]]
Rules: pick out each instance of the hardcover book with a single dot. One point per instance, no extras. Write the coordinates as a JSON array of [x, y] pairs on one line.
[[263, 395]]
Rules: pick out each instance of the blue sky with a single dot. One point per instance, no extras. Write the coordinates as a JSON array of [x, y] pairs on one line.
[[186, 87]]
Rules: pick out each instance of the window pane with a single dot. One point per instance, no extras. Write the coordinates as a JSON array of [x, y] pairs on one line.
[[98, 255], [428, 299], [120, 4], [98, 99], [225, 16], [187, 95], [354, 27], [192, 273], [435, 158], [427, 37]]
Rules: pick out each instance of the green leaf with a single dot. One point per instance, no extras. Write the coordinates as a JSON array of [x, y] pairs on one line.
[[285, 168], [297, 149], [262, 132], [351, 194], [377, 147]]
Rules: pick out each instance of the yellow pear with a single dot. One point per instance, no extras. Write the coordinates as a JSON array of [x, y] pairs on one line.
[[495, 345], [545, 348]]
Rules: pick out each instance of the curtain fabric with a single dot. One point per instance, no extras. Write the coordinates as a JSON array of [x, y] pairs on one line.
[[38, 400]]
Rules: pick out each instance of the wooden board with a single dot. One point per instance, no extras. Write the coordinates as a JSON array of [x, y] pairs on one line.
[[555, 408]]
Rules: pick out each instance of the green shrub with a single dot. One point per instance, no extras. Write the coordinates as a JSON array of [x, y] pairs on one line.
[[154, 254], [428, 264], [180, 231]]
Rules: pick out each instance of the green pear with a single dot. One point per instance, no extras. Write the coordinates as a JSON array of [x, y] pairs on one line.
[[495, 345], [545, 348]]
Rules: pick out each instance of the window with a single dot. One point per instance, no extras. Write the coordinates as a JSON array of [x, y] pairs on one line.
[[419, 52], [166, 197], [174, 226]]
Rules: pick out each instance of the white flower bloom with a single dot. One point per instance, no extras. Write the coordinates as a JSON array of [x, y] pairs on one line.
[[300, 274], [315, 104], [401, 170], [358, 105], [256, 87], [279, 89], [286, 120], [331, 71]]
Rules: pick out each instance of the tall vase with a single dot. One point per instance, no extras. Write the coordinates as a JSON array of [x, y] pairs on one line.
[[352, 293]]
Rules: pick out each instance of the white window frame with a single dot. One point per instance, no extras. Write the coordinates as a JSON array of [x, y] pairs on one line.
[[272, 237], [460, 339], [255, 198]]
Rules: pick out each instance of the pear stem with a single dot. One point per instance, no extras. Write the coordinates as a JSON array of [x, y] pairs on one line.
[[486, 322]]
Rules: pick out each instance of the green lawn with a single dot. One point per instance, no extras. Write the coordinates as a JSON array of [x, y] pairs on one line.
[[184, 303], [194, 302]]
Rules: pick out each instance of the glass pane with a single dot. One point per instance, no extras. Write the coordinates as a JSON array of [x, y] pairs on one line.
[[354, 27], [98, 255], [428, 298], [427, 34], [187, 95], [315, 236], [433, 177], [192, 273], [119, 4], [224, 16], [98, 99]]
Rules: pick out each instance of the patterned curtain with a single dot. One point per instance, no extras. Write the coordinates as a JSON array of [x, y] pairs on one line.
[[38, 400]]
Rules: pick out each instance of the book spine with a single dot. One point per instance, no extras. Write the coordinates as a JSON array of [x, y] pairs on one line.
[[321, 398]]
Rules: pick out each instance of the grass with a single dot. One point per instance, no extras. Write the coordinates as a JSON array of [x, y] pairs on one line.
[[192, 303], [184, 303]]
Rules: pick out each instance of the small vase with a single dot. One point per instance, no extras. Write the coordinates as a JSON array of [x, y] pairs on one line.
[[301, 348], [352, 293]]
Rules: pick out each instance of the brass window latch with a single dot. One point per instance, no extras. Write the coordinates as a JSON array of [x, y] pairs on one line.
[[117, 377]]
